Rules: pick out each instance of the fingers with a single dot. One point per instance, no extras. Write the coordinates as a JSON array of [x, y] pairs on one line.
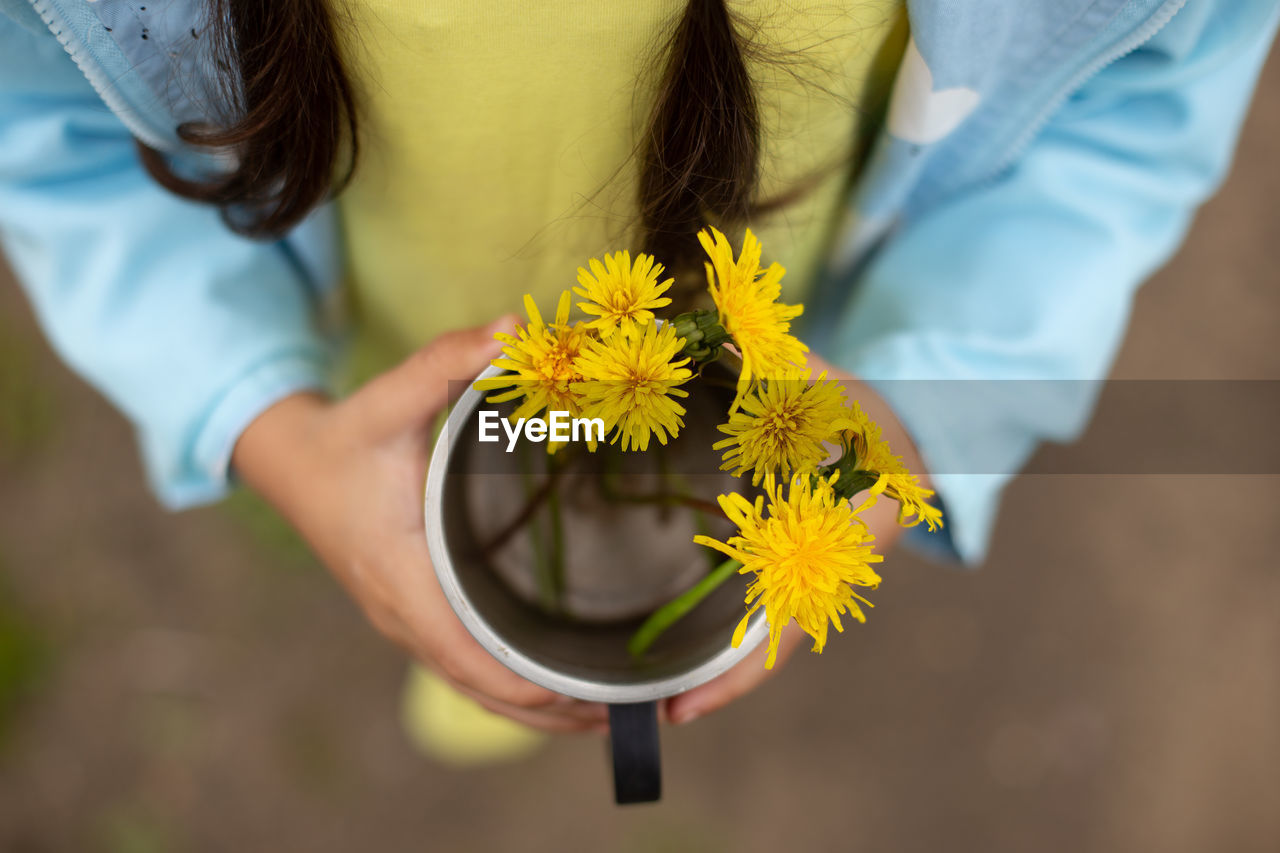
[[526, 702], [745, 676], [473, 671], [436, 637], [474, 676], [563, 715], [479, 675], [442, 640], [413, 393]]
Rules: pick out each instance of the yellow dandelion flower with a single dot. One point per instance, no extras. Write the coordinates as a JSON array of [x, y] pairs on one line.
[[747, 301], [631, 379], [806, 556], [619, 294], [873, 455], [541, 360], [781, 427]]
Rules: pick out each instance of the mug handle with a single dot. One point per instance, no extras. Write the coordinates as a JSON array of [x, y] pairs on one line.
[[637, 758]]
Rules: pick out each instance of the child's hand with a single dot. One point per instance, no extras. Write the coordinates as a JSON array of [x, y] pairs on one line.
[[349, 476], [881, 518]]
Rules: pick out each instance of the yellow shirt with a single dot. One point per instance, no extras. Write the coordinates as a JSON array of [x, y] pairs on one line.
[[499, 139]]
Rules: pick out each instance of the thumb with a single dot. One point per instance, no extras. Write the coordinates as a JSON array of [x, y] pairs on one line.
[[415, 391]]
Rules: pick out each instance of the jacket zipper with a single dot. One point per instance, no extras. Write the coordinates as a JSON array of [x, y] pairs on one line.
[[1132, 42], [57, 24]]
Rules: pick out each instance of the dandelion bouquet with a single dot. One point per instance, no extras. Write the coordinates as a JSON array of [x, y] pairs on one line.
[[809, 462]]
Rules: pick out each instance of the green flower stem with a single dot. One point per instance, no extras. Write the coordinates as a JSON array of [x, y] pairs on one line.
[[671, 612]]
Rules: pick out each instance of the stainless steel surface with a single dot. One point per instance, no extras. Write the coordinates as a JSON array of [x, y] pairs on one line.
[[622, 561]]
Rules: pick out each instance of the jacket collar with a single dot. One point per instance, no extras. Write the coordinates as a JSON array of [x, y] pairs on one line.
[[146, 60], [977, 76]]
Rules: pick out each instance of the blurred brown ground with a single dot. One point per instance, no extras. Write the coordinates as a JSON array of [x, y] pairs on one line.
[[1110, 681]]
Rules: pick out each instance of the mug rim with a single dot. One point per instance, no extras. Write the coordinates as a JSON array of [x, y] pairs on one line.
[[518, 662]]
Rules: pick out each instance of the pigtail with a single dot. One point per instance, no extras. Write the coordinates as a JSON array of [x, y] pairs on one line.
[[290, 115], [699, 158]]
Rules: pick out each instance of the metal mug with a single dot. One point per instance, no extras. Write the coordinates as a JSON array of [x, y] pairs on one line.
[[622, 561]]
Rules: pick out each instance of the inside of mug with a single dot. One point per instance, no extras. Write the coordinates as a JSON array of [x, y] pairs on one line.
[[626, 545]]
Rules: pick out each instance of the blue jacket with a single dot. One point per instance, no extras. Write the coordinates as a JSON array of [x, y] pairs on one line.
[[1040, 159]]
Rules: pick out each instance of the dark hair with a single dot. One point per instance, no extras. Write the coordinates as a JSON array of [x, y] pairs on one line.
[[288, 112], [699, 158], [291, 117]]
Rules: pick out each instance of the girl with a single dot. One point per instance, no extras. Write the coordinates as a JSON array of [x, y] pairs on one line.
[[192, 191]]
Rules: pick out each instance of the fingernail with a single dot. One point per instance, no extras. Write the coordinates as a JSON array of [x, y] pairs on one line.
[[683, 716], [505, 323]]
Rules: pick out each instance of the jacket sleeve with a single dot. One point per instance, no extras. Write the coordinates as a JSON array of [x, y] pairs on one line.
[[187, 328], [1031, 276]]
